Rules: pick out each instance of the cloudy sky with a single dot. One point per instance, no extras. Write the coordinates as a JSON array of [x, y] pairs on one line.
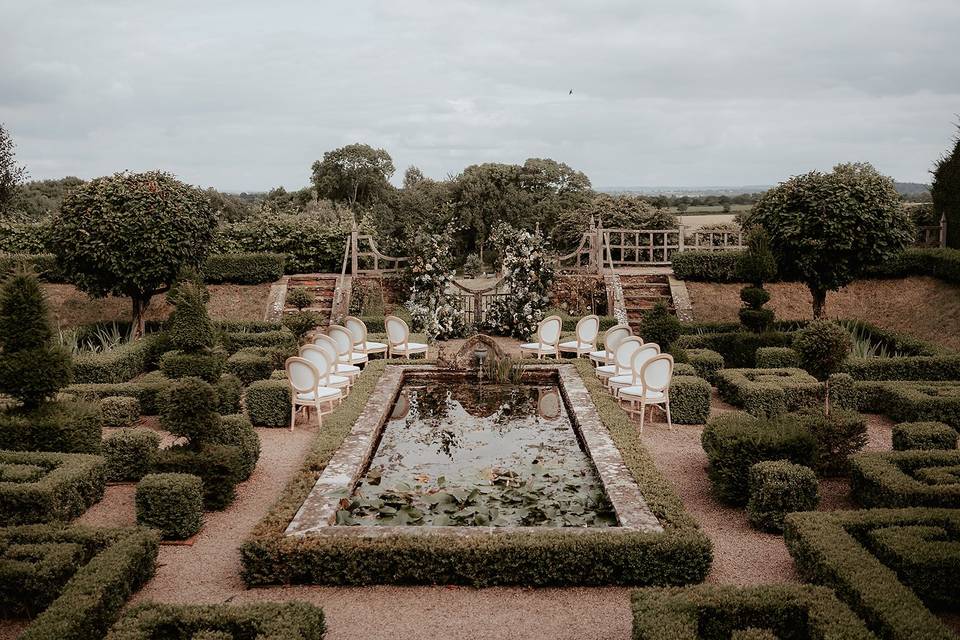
[[246, 95]]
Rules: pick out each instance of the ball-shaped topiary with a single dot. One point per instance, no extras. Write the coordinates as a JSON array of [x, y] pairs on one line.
[[660, 326], [189, 410], [32, 367], [823, 346]]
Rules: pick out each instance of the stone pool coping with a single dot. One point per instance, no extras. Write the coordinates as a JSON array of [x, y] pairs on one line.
[[316, 515]]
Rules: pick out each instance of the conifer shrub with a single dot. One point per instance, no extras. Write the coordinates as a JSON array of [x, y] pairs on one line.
[[660, 326]]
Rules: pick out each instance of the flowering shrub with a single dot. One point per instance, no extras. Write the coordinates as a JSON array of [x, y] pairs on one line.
[[432, 310], [528, 276]]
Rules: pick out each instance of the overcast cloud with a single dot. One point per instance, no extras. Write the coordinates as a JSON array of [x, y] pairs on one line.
[[246, 95]]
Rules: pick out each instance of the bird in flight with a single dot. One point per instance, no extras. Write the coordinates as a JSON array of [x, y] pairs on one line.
[[571, 92]]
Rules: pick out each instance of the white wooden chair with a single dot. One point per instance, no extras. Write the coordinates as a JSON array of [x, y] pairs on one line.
[[632, 377], [306, 391], [398, 339], [344, 340], [654, 387], [588, 328], [358, 330], [315, 354], [611, 338], [622, 359], [329, 345], [548, 339]]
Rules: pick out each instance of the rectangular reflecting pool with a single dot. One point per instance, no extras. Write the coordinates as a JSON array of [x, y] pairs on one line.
[[439, 453], [476, 453]]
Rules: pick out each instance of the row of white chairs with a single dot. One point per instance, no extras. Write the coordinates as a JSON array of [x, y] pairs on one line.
[[548, 338], [323, 372]]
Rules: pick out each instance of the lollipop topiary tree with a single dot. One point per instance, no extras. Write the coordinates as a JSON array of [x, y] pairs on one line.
[[756, 267]]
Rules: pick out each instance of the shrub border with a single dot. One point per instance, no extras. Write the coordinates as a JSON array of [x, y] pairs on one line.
[[878, 479], [70, 487]]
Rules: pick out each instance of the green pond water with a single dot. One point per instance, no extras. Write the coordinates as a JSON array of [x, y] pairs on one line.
[[466, 453]]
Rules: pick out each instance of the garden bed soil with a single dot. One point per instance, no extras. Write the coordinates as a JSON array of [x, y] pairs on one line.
[[922, 306]]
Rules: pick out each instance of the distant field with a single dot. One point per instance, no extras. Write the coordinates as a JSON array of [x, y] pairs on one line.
[[703, 210]]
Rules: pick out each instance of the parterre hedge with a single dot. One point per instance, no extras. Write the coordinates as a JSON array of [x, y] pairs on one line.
[[939, 263], [679, 555], [714, 612], [243, 268], [147, 391], [206, 366], [264, 621], [769, 392], [130, 454], [60, 486], [267, 403], [708, 266], [706, 363], [911, 401], [942, 367], [778, 487], [834, 549], [924, 435], [66, 426], [120, 364], [777, 358], [257, 363], [906, 478], [171, 503], [236, 340], [738, 348], [119, 411], [220, 467], [86, 575]]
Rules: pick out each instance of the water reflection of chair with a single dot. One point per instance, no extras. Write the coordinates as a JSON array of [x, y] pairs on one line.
[[548, 404], [401, 407]]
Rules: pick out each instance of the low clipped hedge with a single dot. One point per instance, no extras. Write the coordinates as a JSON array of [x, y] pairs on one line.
[[769, 392], [220, 467], [252, 364], [706, 363], [171, 503], [778, 487], [60, 486], [233, 341], [738, 348], [265, 621], [120, 364], [680, 555], [689, 400], [246, 326], [941, 367], [906, 478], [130, 454], [714, 612], [206, 366], [119, 411], [940, 263], [243, 268], [736, 441], [915, 552], [236, 430], [708, 266], [777, 358], [63, 426], [147, 392], [267, 403], [87, 591], [924, 435], [911, 401], [834, 549]]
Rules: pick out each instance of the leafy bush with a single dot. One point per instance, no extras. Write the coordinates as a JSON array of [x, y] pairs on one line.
[[114, 564], [189, 410], [908, 436], [832, 549], [769, 392], [120, 364], [236, 430], [706, 363], [473, 265], [736, 441], [130, 454], [714, 612], [299, 298], [738, 348], [243, 268], [172, 503], [219, 466], [67, 485], [67, 427], [206, 366], [266, 621], [777, 358], [839, 435], [822, 346], [903, 478], [251, 364], [229, 390], [268, 403], [310, 243], [32, 367], [778, 487], [119, 411], [660, 326]]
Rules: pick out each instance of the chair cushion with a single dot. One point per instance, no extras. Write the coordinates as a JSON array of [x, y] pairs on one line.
[[323, 393], [337, 381], [573, 345], [537, 346], [411, 346], [637, 393], [599, 355], [348, 369], [626, 379], [374, 346], [354, 357], [607, 369]]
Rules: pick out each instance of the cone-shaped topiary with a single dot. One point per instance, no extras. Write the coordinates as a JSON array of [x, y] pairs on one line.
[[32, 367], [191, 330]]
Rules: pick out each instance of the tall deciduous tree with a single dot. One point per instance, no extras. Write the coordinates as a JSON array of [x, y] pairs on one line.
[[11, 174], [130, 234], [946, 192], [356, 174], [825, 228]]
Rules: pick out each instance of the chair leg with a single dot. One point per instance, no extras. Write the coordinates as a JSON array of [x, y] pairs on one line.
[[669, 421], [319, 417], [293, 415], [643, 410]]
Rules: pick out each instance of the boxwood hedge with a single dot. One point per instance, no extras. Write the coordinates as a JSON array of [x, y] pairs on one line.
[[243, 268], [120, 364], [706, 363], [146, 391], [86, 589], [65, 486], [778, 487], [940, 367], [171, 503], [130, 454], [680, 555], [708, 266], [911, 401], [834, 549], [769, 392], [233, 341], [267, 621], [738, 348], [777, 358], [66, 426], [924, 435], [714, 612], [906, 478]]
